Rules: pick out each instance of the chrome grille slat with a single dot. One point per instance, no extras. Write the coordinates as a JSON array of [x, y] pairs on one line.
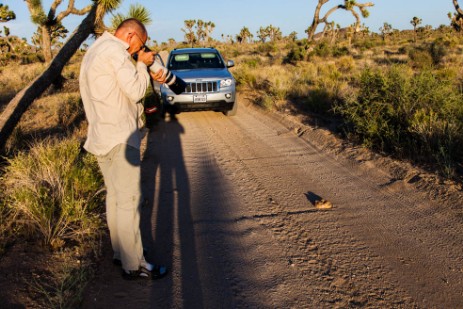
[[202, 87]]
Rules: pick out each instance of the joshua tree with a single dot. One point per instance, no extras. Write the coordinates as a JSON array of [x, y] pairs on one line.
[[386, 30], [200, 32], [244, 35], [51, 22], [263, 34], [208, 28], [92, 23], [292, 36], [349, 5], [456, 20], [274, 33], [415, 22], [204, 30], [6, 14], [58, 31], [7, 43], [190, 36], [271, 32]]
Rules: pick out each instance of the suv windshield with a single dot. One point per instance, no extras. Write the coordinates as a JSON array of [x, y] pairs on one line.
[[191, 61]]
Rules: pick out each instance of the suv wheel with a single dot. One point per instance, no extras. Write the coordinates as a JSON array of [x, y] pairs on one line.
[[232, 112]]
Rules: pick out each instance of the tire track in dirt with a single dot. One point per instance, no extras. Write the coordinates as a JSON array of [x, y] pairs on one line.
[[418, 239], [230, 211], [236, 248], [290, 217]]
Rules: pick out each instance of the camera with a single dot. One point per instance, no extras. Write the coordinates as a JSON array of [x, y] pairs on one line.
[[175, 83]]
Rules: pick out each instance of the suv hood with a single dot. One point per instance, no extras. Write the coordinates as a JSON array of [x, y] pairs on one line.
[[203, 73]]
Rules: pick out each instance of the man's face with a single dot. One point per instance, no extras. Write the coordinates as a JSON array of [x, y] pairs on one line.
[[136, 42]]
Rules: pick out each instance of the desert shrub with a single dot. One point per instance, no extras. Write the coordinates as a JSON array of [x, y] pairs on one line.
[[420, 58], [69, 109], [339, 51], [345, 64], [323, 49], [268, 47], [31, 58], [14, 77], [65, 289], [244, 76], [331, 79], [438, 50], [51, 191], [252, 62], [318, 100], [295, 54], [414, 115], [265, 101], [438, 136], [365, 44], [403, 50]]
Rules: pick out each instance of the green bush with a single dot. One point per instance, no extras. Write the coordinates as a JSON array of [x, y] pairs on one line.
[[253, 62], [244, 77], [414, 115], [318, 100], [296, 53], [51, 192], [268, 47], [438, 50], [364, 44], [323, 49], [420, 58], [340, 51]]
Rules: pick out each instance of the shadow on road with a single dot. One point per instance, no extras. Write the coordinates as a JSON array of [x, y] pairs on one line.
[[170, 208]]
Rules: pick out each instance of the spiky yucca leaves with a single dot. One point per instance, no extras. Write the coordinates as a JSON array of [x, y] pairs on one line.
[[135, 11], [51, 191]]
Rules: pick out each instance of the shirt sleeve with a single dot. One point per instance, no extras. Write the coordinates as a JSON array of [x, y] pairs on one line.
[[133, 80]]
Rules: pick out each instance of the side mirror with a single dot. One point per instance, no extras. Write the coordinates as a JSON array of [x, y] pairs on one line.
[[230, 63]]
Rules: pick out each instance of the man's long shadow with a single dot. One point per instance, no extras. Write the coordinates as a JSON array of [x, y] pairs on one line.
[[169, 206]]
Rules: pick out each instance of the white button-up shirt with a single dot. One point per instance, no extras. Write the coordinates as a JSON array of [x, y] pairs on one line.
[[111, 87]]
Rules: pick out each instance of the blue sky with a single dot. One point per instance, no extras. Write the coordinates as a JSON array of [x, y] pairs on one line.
[[231, 16]]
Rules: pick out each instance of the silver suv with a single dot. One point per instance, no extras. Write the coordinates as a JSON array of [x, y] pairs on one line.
[[210, 86]]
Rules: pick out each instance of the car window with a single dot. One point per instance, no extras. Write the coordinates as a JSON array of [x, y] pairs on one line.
[[191, 61]]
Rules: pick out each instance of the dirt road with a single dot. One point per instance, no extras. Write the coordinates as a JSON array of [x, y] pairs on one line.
[[230, 210]]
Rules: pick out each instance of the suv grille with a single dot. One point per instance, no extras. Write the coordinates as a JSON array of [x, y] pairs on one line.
[[202, 87]]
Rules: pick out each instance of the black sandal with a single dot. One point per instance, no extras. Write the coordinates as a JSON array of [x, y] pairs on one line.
[[158, 272]]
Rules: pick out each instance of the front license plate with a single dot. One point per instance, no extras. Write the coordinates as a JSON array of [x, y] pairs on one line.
[[201, 98]]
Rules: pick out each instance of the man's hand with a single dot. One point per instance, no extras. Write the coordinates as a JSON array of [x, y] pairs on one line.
[[147, 57], [159, 76]]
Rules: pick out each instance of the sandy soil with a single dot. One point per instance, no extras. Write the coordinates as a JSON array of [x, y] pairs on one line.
[[231, 211]]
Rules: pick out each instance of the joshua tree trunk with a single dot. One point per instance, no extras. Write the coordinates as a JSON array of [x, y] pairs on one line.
[[457, 7], [46, 44], [316, 20], [19, 104]]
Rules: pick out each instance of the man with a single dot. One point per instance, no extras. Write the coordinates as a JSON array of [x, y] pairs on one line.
[[111, 87]]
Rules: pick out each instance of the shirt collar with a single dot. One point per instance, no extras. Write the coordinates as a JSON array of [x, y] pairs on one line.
[[108, 35]]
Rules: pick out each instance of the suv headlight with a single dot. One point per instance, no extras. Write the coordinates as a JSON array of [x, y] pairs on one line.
[[226, 82]]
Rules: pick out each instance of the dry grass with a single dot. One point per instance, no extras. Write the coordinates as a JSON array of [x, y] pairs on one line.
[[48, 189], [13, 78]]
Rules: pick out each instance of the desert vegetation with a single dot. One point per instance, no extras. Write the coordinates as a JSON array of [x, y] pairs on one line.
[[395, 92]]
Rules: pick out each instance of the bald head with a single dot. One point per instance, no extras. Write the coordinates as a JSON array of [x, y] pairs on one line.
[[130, 25], [134, 33]]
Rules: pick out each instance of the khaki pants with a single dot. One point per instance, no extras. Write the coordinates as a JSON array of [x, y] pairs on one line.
[[121, 173]]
